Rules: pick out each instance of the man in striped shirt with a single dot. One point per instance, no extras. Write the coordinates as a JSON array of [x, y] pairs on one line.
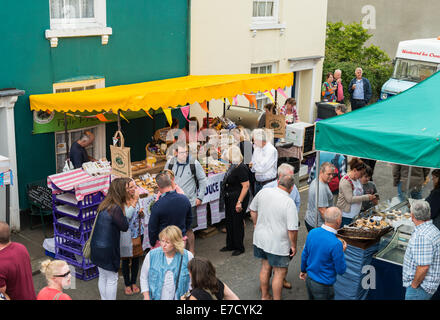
[[421, 264]]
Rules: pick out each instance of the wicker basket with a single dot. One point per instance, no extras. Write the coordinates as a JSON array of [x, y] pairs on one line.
[[361, 234], [161, 134], [159, 157]]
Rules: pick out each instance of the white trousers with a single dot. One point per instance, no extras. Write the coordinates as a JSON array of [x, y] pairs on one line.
[[108, 284]]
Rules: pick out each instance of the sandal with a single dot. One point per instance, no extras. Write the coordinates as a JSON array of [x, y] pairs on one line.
[[135, 289], [128, 291]]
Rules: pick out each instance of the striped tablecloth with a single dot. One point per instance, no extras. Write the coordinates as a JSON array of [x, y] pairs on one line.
[[79, 181]]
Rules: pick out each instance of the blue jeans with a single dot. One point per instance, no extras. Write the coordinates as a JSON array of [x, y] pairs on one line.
[[403, 195], [319, 291], [417, 294]]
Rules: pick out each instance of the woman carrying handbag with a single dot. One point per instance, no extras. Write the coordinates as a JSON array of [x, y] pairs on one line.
[[131, 241], [104, 241]]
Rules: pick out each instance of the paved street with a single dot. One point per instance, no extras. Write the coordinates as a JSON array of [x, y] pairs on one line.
[[240, 273]]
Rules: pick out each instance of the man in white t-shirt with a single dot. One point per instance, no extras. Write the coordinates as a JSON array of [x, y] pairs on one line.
[[275, 234]]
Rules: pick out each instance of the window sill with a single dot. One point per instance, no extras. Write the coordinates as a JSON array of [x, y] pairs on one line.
[[267, 26], [53, 34]]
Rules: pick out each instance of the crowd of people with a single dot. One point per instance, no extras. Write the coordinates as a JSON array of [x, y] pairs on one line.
[[254, 184]]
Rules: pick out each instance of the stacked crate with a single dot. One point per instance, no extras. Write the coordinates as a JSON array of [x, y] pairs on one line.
[[73, 222]]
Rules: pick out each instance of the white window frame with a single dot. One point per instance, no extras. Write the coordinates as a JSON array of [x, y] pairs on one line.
[[267, 19], [261, 98], [100, 136], [80, 27]]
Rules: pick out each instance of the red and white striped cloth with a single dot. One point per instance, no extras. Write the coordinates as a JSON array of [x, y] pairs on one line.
[[80, 181]]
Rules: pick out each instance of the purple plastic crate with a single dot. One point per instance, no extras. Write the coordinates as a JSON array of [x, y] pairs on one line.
[[70, 233], [68, 197], [72, 257], [83, 214], [68, 225], [66, 243], [86, 274]]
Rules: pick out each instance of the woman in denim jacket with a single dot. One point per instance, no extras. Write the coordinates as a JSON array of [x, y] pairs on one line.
[[164, 274]]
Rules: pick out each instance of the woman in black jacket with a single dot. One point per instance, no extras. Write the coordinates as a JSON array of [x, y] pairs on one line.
[[434, 198], [234, 198], [105, 246]]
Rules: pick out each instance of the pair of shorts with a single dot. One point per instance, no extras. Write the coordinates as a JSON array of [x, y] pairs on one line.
[[273, 259], [194, 223]]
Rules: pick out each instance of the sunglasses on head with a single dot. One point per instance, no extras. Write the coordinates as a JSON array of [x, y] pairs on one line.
[[62, 275]]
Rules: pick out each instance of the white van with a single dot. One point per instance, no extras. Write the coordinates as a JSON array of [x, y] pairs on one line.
[[415, 61]]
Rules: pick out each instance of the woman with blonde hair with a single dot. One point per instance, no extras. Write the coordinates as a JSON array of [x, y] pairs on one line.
[[164, 274], [58, 277], [234, 198]]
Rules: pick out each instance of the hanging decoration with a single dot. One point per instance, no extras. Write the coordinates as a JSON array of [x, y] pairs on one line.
[[204, 106], [185, 111], [252, 99], [281, 91], [269, 95], [167, 113]]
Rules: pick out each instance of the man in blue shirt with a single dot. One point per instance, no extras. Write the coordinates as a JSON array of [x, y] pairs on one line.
[[172, 208], [78, 154], [323, 257], [360, 91]]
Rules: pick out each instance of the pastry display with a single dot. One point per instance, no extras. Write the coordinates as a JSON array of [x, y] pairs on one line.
[[371, 223], [214, 166], [147, 182], [139, 165], [95, 168]]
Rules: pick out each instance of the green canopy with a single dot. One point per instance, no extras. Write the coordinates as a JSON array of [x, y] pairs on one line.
[[404, 129]]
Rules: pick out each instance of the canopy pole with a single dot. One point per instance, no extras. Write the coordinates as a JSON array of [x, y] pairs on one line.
[[207, 115], [276, 97], [408, 194], [66, 137], [154, 122], [317, 172], [224, 108], [119, 119]]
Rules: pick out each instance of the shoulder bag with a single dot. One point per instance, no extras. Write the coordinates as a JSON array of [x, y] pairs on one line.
[[86, 249]]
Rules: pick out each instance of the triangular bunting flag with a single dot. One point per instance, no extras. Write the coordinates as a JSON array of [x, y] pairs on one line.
[[185, 111], [101, 117], [269, 95], [204, 106], [168, 115], [146, 111], [252, 99], [123, 117], [281, 91], [235, 100]]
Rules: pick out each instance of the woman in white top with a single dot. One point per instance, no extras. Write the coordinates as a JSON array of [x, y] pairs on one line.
[[165, 274]]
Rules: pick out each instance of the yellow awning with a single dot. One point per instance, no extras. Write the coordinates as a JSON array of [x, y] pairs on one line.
[[161, 93]]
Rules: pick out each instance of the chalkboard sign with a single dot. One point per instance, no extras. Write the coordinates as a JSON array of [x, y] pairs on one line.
[[40, 196]]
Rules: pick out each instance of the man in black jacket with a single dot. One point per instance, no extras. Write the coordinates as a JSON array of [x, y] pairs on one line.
[[360, 91]]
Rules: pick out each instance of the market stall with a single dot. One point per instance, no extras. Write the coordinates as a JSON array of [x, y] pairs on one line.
[[165, 95], [401, 130]]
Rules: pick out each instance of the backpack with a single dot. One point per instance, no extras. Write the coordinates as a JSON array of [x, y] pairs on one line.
[[192, 167], [334, 183]]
